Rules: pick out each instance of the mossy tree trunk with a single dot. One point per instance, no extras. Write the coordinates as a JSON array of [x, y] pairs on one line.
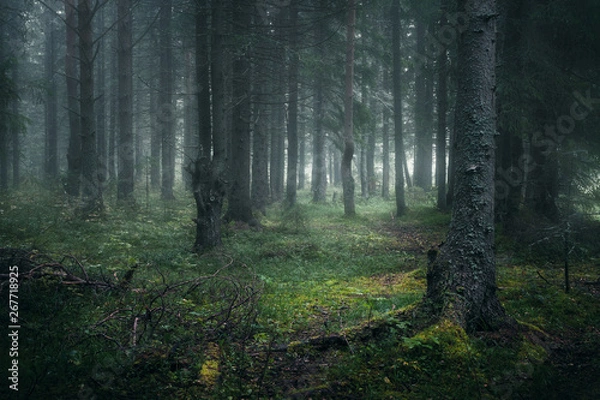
[[461, 281]]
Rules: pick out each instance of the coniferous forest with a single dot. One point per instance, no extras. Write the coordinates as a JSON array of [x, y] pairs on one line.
[[300, 199]]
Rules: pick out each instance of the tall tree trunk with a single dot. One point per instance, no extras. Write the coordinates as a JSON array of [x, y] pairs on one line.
[[125, 148], [260, 137], [442, 109], [51, 150], [190, 133], [74, 151], [208, 174], [277, 161], [301, 152], [319, 165], [336, 172], [385, 132], [155, 132], [240, 206], [319, 172], [461, 281], [101, 101], [422, 175], [362, 166], [203, 77], [371, 178], [348, 154], [91, 189], [113, 106], [292, 131], [166, 108], [397, 93], [260, 158]]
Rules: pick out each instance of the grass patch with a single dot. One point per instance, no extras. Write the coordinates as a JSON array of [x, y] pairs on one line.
[[310, 273]]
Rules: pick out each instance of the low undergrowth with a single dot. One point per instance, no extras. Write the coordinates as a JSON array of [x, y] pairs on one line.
[[310, 304]]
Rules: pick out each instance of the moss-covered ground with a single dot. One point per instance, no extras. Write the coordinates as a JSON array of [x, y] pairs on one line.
[[311, 304]]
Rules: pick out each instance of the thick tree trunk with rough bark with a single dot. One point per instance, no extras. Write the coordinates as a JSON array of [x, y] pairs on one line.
[[209, 193], [348, 153], [461, 281]]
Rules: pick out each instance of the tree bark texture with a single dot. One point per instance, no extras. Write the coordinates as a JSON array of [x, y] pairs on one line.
[[348, 153], [461, 281], [209, 193]]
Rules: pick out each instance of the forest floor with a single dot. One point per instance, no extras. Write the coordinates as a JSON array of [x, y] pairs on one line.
[[311, 305]]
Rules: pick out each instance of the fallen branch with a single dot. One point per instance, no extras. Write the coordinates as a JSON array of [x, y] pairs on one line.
[[32, 265]]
